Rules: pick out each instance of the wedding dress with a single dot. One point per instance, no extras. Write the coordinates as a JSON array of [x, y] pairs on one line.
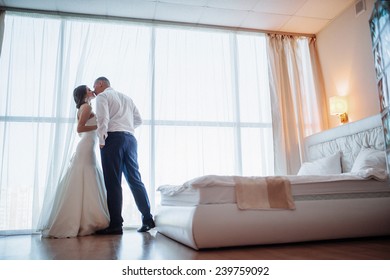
[[79, 206]]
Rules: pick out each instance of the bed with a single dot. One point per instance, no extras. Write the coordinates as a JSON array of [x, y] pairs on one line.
[[341, 191]]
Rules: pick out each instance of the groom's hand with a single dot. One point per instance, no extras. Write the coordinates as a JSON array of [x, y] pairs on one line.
[[101, 146]]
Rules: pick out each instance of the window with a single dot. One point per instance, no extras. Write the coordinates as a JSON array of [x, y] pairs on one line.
[[203, 95]]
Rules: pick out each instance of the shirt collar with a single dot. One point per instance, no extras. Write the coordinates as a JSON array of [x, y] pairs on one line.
[[108, 88]]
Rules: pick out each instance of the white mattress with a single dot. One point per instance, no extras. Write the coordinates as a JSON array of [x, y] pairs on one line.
[[213, 189]]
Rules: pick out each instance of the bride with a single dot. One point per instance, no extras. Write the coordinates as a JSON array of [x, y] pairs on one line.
[[79, 206]]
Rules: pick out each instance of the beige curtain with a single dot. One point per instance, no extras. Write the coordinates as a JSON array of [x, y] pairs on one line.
[[297, 98], [320, 93]]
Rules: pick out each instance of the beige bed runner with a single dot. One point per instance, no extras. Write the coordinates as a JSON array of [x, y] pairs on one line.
[[273, 192]]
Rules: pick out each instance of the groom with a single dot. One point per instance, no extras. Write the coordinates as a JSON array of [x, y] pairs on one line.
[[117, 117]]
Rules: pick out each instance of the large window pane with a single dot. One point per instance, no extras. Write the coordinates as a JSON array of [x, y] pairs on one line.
[[255, 104], [24, 166], [28, 66], [257, 151], [118, 51], [187, 152], [193, 75]]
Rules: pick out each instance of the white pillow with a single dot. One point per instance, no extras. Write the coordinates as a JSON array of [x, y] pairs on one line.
[[369, 158], [323, 166]]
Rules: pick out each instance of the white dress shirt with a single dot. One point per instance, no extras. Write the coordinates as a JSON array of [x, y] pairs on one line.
[[115, 112]]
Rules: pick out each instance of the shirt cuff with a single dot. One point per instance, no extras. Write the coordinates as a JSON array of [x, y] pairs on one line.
[[102, 140]]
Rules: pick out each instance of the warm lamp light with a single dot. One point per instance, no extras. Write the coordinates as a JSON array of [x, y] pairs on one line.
[[339, 106]]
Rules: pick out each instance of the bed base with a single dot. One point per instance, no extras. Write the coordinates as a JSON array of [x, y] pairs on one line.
[[224, 225]]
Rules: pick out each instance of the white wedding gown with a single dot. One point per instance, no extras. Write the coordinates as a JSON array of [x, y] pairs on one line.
[[79, 206]]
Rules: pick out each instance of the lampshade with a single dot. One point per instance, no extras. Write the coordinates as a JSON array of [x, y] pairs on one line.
[[338, 105]]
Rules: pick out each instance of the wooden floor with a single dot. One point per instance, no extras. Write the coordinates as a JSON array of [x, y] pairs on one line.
[[154, 246]]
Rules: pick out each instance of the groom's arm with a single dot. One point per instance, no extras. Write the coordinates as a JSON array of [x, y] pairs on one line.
[[136, 117], [102, 118]]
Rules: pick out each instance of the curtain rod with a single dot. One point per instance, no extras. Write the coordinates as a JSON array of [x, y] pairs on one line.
[[152, 21]]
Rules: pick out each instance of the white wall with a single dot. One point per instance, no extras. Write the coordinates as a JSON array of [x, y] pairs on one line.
[[347, 63]]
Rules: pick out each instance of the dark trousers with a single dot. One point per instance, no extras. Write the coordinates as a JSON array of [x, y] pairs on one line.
[[120, 155]]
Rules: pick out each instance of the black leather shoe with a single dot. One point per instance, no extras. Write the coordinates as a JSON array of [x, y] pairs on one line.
[[146, 227], [110, 230]]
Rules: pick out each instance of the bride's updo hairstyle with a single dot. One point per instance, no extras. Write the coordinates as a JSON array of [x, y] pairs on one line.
[[79, 95]]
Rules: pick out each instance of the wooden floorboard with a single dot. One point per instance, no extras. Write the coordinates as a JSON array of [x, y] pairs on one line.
[[155, 246]]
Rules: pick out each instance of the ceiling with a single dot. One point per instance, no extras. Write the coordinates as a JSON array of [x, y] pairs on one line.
[[292, 16]]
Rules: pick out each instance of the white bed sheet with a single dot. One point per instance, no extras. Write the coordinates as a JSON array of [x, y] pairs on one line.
[[213, 189]]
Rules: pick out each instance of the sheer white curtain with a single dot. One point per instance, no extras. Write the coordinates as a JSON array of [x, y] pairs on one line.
[[36, 117], [211, 108], [42, 60], [296, 98]]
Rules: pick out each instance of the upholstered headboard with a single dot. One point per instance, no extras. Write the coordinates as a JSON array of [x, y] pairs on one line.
[[348, 138]]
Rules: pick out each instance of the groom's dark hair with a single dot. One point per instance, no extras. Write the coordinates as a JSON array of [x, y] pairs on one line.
[[103, 79]]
